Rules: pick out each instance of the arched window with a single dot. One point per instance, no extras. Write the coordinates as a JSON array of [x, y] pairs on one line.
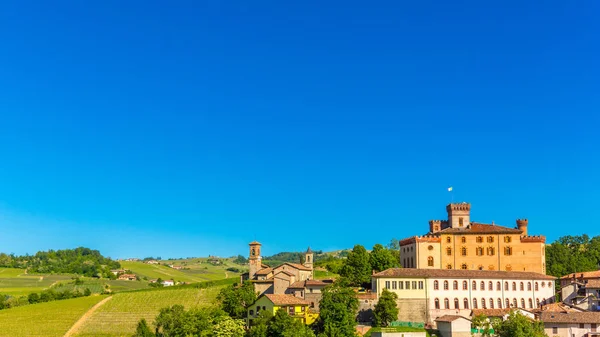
[[475, 303], [505, 286], [463, 239], [514, 286], [448, 251], [446, 303], [543, 285], [436, 285], [437, 303], [474, 285], [523, 303], [490, 251], [445, 285], [536, 287], [498, 286], [455, 285], [499, 303], [480, 267], [507, 304], [491, 303], [463, 266], [479, 239], [463, 251], [549, 284], [490, 239], [490, 286], [482, 285], [448, 239], [515, 302], [530, 303], [479, 251], [528, 286], [466, 303], [448, 266], [456, 303], [521, 287], [483, 304], [507, 239], [537, 302], [430, 261], [465, 285]]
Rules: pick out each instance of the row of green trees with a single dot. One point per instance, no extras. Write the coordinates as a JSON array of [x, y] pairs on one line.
[[358, 267], [48, 295], [570, 254], [81, 261]]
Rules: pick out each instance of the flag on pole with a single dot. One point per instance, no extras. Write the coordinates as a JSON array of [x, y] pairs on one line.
[[450, 189]]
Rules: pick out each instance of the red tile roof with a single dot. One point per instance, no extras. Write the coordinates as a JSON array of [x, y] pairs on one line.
[[571, 317], [586, 274], [459, 273], [298, 266], [308, 283], [286, 300], [593, 284], [490, 312], [476, 227], [264, 271], [450, 318]]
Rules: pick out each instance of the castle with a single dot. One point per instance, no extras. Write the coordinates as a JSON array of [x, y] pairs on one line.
[[458, 243]]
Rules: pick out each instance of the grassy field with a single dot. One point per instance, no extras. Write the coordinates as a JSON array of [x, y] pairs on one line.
[[119, 316], [15, 281], [45, 319], [197, 270]]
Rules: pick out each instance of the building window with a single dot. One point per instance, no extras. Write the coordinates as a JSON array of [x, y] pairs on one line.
[[465, 285], [507, 239], [491, 303], [394, 284], [257, 309], [455, 285], [474, 303], [507, 250], [466, 303], [490, 286], [528, 286], [420, 284], [554, 330], [549, 284], [446, 303], [521, 286], [523, 303], [537, 302], [514, 302], [430, 261], [448, 239], [474, 285], [463, 266], [448, 251], [479, 251], [448, 266], [498, 286], [530, 303], [490, 239], [387, 285], [593, 326], [483, 304], [463, 239], [291, 310], [479, 239], [491, 251], [482, 285], [463, 251], [543, 285], [514, 286], [436, 285], [251, 312], [430, 247], [499, 303], [406, 285], [460, 222], [536, 287], [505, 286], [507, 304], [479, 267], [400, 285], [445, 285], [414, 284], [437, 303], [412, 262], [456, 303]]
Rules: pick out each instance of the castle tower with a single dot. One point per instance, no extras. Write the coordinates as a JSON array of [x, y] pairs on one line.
[[522, 226], [459, 215], [254, 259], [309, 258]]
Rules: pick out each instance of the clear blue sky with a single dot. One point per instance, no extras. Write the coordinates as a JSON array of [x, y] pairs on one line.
[[191, 128]]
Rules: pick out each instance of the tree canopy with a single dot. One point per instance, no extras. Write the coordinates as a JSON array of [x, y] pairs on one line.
[[382, 258], [386, 309], [338, 308], [357, 267], [570, 254], [235, 299], [518, 325]]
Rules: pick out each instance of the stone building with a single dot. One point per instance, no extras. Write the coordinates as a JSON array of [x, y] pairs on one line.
[[571, 324], [581, 290], [295, 279], [459, 243], [426, 294]]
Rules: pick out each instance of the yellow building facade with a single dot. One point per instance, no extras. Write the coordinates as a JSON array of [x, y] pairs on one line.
[[295, 307], [459, 243]]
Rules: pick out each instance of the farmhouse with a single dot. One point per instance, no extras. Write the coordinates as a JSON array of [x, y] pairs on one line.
[[152, 262], [168, 283], [577, 324], [294, 306], [127, 277]]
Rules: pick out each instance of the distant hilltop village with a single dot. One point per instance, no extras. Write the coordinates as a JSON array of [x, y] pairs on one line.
[[459, 243]]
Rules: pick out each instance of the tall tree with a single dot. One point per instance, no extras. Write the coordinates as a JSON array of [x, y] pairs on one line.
[[143, 330], [338, 308], [386, 309], [236, 299], [357, 267], [382, 259], [518, 325], [226, 326]]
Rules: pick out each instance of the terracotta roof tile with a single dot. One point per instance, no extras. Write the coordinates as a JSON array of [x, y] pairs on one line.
[[490, 312], [593, 284], [286, 300], [476, 227], [285, 272], [586, 274], [308, 283], [298, 266], [558, 307], [265, 271], [459, 273], [450, 318], [571, 317]]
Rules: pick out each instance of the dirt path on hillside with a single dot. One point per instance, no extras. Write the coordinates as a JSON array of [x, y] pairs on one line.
[[85, 316]]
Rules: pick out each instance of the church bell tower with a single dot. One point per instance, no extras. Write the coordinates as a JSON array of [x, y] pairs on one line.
[[254, 259]]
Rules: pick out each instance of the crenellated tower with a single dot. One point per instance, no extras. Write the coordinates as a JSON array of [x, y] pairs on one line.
[[459, 215], [522, 226]]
